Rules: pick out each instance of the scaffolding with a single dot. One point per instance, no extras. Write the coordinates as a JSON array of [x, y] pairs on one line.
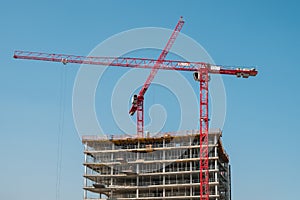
[[161, 166]]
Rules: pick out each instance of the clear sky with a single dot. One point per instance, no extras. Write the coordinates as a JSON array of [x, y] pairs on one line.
[[261, 131]]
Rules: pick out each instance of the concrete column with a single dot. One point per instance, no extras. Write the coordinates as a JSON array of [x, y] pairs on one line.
[[111, 157], [216, 163], [229, 181], [137, 170], [164, 167], [216, 190], [85, 172], [216, 151], [137, 190], [216, 155]]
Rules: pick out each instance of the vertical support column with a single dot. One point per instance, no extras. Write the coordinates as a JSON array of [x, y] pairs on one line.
[[164, 168], [215, 145], [85, 172], [140, 117], [229, 181], [216, 180], [112, 166], [112, 170], [204, 170], [137, 170], [216, 163], [191, 165], [137, 184]]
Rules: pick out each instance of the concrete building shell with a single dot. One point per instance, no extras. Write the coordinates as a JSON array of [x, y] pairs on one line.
[[163, 166]]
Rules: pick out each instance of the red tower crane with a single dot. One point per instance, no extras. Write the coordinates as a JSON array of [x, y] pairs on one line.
[[138, 100], [201, 73]]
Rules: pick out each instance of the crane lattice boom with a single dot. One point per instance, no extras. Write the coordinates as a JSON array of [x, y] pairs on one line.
[[143, 63], [162, 56], [138, 100]]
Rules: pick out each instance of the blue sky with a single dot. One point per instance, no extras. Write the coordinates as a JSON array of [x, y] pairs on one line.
[[261, 131]]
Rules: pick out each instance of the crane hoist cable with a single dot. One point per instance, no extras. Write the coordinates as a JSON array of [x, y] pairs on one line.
[[61, 123]]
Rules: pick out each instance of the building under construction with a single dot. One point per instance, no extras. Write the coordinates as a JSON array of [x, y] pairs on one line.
[[161, 166]]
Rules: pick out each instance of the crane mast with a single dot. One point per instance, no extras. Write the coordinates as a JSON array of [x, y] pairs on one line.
[[203, 79], [201, 73]]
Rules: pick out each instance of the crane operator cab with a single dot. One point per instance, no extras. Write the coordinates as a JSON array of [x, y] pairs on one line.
[[134, 99], [197, 77]]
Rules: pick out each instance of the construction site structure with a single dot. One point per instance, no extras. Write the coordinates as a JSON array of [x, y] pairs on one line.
[[161, 166], [201, 74]]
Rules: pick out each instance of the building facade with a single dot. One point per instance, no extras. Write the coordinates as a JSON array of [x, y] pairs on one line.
[[163, 166]]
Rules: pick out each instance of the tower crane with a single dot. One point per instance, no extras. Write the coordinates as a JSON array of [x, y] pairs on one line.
[[201, 74], [138, 100]]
